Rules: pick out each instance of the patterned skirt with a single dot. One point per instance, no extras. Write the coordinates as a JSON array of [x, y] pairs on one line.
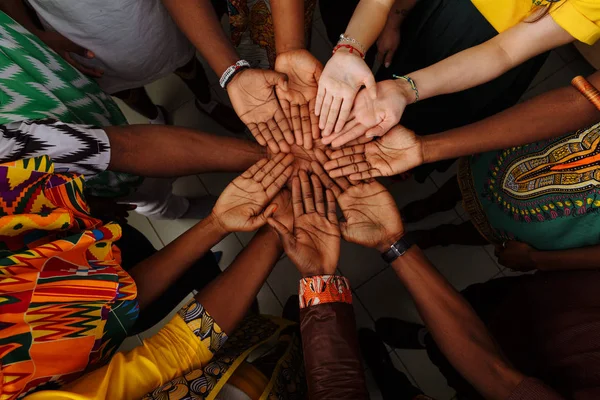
[[546, 194]]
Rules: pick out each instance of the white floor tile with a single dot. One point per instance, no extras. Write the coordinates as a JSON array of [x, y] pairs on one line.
[[216, 182], [284, 280], [129, 344], [245, 237], [561, 78], [439, 178], [142, 224], [568, 52], [231, 247], [268, 303], [189, 116], [131, 116], [385, 296], [463, 265], [169, 230], [374, 392], [170, 92], [189, 186], [426, 374], [363, 319], [358, 263], [154, 330]]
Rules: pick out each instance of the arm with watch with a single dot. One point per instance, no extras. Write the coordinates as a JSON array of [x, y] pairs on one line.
[[251, 90], [373, 220]]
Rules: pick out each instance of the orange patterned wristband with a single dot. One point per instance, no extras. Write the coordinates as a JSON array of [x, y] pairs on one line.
[[323, 289]]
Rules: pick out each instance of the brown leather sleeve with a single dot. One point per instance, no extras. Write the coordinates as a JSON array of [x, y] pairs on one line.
[[331, 353], [534, 389]]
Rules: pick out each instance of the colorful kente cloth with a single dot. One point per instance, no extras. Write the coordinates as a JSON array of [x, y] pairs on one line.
[[546, 194], [36, 83], [65, 303], [251, 25]]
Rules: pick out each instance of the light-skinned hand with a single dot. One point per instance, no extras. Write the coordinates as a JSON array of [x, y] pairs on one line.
[[298, 101], [252, 94], [65, 47], [241, 206], [373, 118], [314, 243], [342, 78], [396, 152], [371, 215]]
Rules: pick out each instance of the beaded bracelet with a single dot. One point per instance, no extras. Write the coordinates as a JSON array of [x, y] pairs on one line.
[[232, 71], [412, 84], [344, 38], [351, 48]]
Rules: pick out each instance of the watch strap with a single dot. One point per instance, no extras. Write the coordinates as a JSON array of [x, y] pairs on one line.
[[396, 250]]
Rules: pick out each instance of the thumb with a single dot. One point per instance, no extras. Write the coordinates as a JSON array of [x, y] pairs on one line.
[[284, 234], [371, 86], [274, 78]]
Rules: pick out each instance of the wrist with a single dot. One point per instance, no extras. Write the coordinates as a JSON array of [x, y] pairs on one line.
[[406, 91], [289, 47], [535, 261], [385, 244], [215, 224], [347, 49]]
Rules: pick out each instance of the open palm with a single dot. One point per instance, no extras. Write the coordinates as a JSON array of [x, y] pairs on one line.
[[241, 206], [314, 244], [398, 151], [252, 94], [298, 101]]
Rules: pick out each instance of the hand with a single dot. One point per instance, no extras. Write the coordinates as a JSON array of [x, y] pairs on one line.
[[373, 118], [304, 157], [516, 256], [298, 101], [64, 47], [343, 76], [284, 212], [314, 244], [253, 99], [240, 208], [371, 215], [398, 151], [387, 44]]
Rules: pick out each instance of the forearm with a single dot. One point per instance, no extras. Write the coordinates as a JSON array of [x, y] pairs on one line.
[[399, 12], [162, 151], [288, 22], [487, 61], [457, 330], [368, 21], [228, 298], [156, 273], [16, 10], [542, 117], [198, 21], [572, 259]]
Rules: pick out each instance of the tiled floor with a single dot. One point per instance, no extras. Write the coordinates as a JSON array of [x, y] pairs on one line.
[[377, 292]]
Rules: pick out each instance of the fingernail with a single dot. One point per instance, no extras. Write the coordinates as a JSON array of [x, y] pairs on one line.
[[90, 54], [387, 64]]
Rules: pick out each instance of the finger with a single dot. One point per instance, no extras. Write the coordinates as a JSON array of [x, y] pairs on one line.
[[279, 182], [329, 183], [284, 234], [278, 136], [331, 213], [275, 78], [257, 135], [297, 204], [319, 199], [307, 192], [276, 170], [262, 172], [249, 173], [285, 106], [282, 123], [346, 160], [320, 99], [347, 151], [362, 176], [354, 133], [314, 120], [296, 124], [350, 169], [371, 86], [333, 115], [317, 167], [306, 127], [266, 133], [380, 56], [325, 110], [388, 58], [360, 140], [344, 114]]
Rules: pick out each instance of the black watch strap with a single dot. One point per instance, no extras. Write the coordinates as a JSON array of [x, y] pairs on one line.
[[396, 250]]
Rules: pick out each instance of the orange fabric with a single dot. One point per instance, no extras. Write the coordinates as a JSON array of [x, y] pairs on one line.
[[324, 289]]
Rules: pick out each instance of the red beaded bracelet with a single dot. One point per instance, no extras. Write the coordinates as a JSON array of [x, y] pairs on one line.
[[351, 49]]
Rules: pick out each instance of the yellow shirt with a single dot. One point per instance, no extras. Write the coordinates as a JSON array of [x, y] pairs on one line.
[[581, 18]]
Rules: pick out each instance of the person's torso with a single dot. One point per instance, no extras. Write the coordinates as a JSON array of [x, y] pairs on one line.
[[505, 14], [133, 40]]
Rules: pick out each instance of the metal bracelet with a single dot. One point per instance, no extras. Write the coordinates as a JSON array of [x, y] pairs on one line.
[[231, 71], [412, 84], [344, 38]]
